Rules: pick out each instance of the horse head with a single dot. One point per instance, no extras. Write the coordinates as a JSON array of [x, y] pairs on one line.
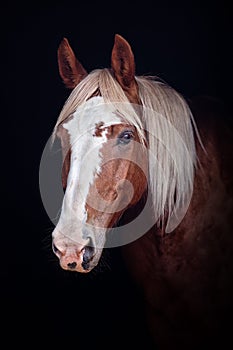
[[104, 169]]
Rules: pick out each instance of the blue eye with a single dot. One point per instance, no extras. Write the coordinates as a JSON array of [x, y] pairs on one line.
[[125, 137]]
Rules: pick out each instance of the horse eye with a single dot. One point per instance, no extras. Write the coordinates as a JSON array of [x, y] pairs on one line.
[[125, 137]]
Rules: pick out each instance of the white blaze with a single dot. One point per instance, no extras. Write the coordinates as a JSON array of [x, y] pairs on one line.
[[85, 161]]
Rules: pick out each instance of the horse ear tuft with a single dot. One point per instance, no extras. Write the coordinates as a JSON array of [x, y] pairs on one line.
[[70, 69]]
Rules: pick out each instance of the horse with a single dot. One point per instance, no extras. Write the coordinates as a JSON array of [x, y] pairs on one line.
[[149, 171]]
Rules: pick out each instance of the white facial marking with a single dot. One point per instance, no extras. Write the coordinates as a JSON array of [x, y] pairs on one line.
[[85, 161]]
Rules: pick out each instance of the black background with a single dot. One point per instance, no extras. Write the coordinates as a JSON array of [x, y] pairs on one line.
[[186, 44]]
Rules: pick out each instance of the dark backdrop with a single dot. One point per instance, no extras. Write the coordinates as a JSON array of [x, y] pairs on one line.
[[188, 45]]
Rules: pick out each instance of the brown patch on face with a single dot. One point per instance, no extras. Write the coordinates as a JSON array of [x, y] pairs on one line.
[[98, 129], [108, 186]]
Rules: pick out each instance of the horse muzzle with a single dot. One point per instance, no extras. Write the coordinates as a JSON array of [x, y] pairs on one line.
[[75, 257]]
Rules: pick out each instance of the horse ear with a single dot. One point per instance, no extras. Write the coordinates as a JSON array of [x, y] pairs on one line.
[[70, 69], [122, 62]]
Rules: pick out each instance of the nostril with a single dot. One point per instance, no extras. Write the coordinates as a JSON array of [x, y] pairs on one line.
[[88, 253], [55, 249], [72, 265], [87, 256]]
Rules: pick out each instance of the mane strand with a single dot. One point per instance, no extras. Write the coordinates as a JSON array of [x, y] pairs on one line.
[[172, 160]]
